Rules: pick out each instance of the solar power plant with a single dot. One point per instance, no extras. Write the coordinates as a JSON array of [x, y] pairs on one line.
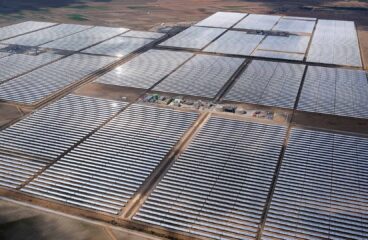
[[146, 69], [234, 42], [268, 83], [46, 35], [258, 22], [46, 134], [321, 191], [335, 42], [294, 26], [38, 84], [213, 152], [292, 43], [105, 171], [194, 38], [279, 55], [222, 20], [336, 91], [22, 28], [84, 39], [119, 46], [17, 64], [203, 75], [218, 187], [143, 34]]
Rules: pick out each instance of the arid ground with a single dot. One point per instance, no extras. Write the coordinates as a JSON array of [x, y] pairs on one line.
[[22, 222]]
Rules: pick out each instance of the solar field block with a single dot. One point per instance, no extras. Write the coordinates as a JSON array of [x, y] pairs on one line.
[[39, 139], [201, 76], [218, 187], [145, 70], [321, 191], [104, 171]]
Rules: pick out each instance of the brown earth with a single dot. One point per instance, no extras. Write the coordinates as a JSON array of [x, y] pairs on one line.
[[19, 221], [10, 112]]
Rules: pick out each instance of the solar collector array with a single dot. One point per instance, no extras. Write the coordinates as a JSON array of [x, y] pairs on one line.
[[146, 69], [4, 53], [321, 192], [335, 91], [193, 37], [105, 171], [22, 28], [268, 83], [15, 170], [118, 46], [234, 42], [295, 26], [85, 38], [292, 43], [42, 82], [218, 186], [258, 22], [291, 47], [46, 35], [222, 20], [335, 42], [46, 134], [17, 64], [201, 76]]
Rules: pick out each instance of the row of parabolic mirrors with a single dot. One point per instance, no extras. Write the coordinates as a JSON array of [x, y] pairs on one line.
[[96, 154]]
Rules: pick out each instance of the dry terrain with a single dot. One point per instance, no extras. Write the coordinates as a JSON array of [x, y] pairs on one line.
[[19, 221]]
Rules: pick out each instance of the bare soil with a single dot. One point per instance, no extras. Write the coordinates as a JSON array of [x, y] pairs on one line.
[[9, 112], [110, 92], [22, 222], [338, 123]]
